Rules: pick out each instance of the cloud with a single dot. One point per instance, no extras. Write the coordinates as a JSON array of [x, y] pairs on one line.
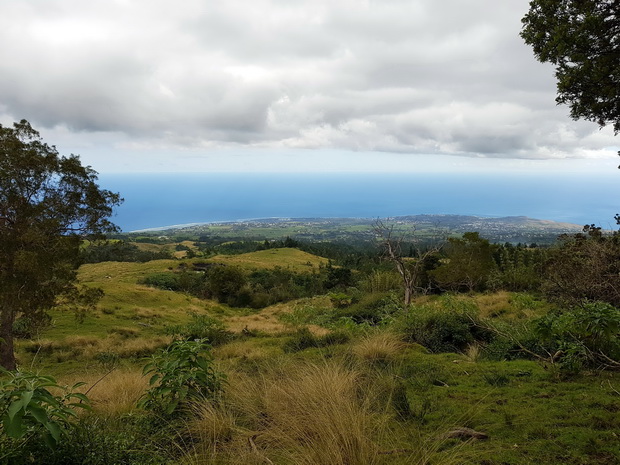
[[420, 76]]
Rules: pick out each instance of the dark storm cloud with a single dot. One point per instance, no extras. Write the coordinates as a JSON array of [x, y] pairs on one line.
[[421, 76]]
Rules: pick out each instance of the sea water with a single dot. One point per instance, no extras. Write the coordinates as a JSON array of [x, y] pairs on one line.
[[156, 200]]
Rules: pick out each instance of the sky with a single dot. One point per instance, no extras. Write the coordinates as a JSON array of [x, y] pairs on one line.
[[290, 86]]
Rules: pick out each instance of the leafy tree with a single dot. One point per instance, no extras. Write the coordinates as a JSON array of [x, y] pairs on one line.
[[584, 266], [582, 39], [469, 263], [224, 283], [48, 203]]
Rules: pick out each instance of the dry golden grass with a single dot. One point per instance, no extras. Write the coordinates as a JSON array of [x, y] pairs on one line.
[[88, 348], [494, 304], [473, 352], [317, 416], [118, 392], [301, 414], [113, 393], [268, 320], [380, 347], [246, 350], [293, 259]]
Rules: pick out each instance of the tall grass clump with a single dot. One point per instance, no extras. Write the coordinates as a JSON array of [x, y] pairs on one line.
[[317, 416], [379, 348], [302, 414]]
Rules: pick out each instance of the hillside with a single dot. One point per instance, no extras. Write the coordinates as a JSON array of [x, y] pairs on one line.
[[346, 374]]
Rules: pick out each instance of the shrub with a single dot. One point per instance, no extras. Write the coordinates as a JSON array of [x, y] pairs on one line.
[[304, 339], [340, 299], [371, 309], [166, 281], [441, 330], [202, 327], [181, 372], [29, 411], [587, 335]]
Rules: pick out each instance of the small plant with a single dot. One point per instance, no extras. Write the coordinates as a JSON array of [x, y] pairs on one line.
[[28, 408], [107, 359], [181, 372], [340, 299]]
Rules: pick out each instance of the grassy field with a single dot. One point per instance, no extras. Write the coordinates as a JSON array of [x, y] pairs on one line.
[[366, 396]]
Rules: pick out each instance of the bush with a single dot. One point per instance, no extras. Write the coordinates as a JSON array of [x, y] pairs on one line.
[[100, 440], [166, 281], [30, 412], [441, 330], [304, 339], [371, 309], [183, 371], [202, 327], [585, 336]]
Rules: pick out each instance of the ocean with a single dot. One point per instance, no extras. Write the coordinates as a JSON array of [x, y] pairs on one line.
[[156, 200]]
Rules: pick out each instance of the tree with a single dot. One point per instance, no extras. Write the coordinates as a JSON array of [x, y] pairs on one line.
[[582, 39], [412, 270], [48, 204], [584, 266], [469, 263]]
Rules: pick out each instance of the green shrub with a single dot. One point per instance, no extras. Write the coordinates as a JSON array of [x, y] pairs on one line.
[[304, 339], [181, 372], [441, 330], [166, 281], [585, 336], [30, 412], [340, 299], [97, 440], [371, 308], [202, 327]]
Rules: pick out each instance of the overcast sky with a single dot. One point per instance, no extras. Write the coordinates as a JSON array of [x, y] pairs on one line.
[[289, 85]]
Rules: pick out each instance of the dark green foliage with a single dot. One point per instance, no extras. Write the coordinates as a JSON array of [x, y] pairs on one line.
[[337, 277], [584, 266], [304, 339], [181, 372], [340, 299], [585, 336], [118, 251], [579, 37], [226, 283], [371, 309], [167, 281], [26, 328], [519, 268], [468, 265], [202, 327], [514, 342], [400, 401], [30, 412], [235, 287], [443, 330], [96, 440], [48, 203]]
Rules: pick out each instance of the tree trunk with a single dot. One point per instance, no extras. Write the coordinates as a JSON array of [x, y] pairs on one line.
[[408, 295], [7, 355]]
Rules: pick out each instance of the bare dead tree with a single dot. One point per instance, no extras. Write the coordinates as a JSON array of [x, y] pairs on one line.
[[410, 269]]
